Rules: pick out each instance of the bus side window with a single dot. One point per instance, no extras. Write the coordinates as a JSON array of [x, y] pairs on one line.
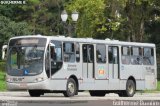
[[53, 54], [110, 55], [77, 49], [85, 53], [56, 56], [125, 55], [101, 53], [136, 55], [69, 52], [88, 53], [148, 56], [113, 55]]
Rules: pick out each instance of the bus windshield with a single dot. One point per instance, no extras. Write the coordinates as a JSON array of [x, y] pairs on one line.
[[25, 56]]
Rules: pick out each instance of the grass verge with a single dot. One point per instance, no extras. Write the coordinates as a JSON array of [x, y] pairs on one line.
[[158, 85], [2, 81]]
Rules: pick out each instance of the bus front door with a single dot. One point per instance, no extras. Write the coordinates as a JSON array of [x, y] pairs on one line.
[[88, 62]]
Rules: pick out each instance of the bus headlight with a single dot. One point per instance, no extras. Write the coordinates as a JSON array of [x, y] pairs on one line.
[[9, 80], [39, 79]]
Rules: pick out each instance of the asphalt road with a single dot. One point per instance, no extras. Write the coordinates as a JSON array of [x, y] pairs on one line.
[[82, 99]]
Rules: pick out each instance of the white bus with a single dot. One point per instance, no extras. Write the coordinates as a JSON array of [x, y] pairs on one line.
[[56, 64]]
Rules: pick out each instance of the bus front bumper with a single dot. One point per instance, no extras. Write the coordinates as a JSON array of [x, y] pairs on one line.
[[43, 85]]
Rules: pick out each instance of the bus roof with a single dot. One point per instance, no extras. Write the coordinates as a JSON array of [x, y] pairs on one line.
[[88, 40]]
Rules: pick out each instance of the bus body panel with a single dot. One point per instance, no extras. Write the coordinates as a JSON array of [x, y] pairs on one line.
[[140, 85], [103, 85], [131, 70]]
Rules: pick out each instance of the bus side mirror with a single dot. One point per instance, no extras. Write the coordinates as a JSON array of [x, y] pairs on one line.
[[51, 44], [4, 52]]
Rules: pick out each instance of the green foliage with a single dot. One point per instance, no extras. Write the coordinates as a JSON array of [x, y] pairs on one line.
[[34, 1], [91, 15], [158, 85], [2, 66], [132, 20], [10, 28], [116, 19], [2, 81], [43, 17]]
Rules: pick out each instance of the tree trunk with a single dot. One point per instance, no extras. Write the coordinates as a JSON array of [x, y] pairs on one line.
[[133, 36], [141, 33]]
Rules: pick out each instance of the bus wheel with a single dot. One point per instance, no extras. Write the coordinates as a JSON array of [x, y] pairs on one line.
[[71, 88], [97, 93], [130, 88], [34, 93]]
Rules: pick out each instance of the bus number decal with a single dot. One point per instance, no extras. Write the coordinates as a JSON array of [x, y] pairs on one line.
[[101, 71]]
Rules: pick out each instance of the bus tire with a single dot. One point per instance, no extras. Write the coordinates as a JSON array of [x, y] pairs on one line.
[[97, 93], [130, 88], [71, 88], [34, 93]]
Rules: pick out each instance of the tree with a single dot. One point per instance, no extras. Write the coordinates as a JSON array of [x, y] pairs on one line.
[[91, 15], [43, 16], [125, 20], [10, 28], [114, 18]]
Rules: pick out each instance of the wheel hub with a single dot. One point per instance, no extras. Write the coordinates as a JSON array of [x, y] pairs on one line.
[[71, 87], [130, 89]]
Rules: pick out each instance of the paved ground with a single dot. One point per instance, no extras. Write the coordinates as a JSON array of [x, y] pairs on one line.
[[83, 99]]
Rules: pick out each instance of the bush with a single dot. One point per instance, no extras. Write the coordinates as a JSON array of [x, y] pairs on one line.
[[2, 66], [158, 71], [158, 85]]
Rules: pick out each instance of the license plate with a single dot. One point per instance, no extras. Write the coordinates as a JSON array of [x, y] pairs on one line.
[[18, 79], [23, 85]]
